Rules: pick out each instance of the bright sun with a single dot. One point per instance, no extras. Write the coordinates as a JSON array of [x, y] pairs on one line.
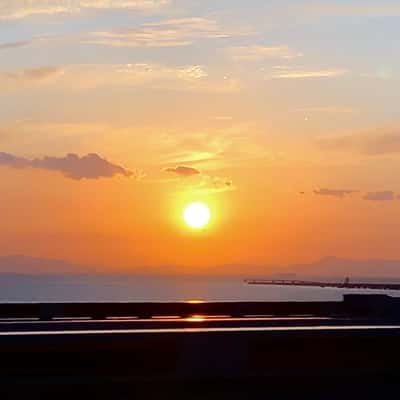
[[197, 215]]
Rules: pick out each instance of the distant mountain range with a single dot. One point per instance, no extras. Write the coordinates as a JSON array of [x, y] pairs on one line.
[[20, 264], [343, 267], [325, 267]]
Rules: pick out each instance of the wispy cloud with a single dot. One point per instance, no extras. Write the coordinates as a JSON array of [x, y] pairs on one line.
[[258, 53], [334, 192], [17, 9], [14, 45], [155, 71], [29, 78], [151, 76], [86, 76], [36, 39], [327, 110], [385, 195], [214, 184], [91, 166], [167, 33], [379, 9], [34, 74], [202, 182], [376, 143], [90, 76], [291, 73]]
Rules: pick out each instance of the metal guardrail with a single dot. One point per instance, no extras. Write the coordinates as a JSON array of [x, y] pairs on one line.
[[373, 306]]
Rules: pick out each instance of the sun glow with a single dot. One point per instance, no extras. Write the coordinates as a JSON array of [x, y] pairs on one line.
[[197, 215]]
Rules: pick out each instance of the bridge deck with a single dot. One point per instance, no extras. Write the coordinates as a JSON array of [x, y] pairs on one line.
[[64, 349]]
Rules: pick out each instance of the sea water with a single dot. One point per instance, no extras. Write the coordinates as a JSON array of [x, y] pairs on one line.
[[118, 288]]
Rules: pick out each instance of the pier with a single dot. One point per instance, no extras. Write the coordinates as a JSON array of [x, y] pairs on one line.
[[347, 284]]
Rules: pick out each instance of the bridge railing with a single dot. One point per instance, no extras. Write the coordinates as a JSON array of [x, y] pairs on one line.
[[351, 306]]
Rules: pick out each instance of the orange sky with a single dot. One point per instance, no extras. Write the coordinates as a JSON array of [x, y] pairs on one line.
[[287, 120]]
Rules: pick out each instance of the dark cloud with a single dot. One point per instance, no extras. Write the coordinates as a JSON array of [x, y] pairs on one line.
[[183, 171], [72, 166], [220, 183], [216, 184], [13, 45], [368, 143], [207, 183], [334, 192], [386, 195], [13, 161]]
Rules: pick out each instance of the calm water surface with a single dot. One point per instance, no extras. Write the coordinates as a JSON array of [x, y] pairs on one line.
[[139, 288]]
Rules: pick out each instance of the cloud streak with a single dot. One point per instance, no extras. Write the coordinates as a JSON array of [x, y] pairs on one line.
[[373, 144], [289, 73], [91, 166], [151, 76], [367, 10], [167, 33], [221, 184], [215, 184], [14, 45], [206, 183], [334, 192], [19, 9], [259, 53], [386, 195], [91, 76], [34, 74]]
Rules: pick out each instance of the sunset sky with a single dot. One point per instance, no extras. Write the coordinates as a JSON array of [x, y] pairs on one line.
[[281, 116]]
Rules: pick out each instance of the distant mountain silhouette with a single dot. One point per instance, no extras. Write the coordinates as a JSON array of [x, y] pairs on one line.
[[21, 264], [325, 267], [341, 267]]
